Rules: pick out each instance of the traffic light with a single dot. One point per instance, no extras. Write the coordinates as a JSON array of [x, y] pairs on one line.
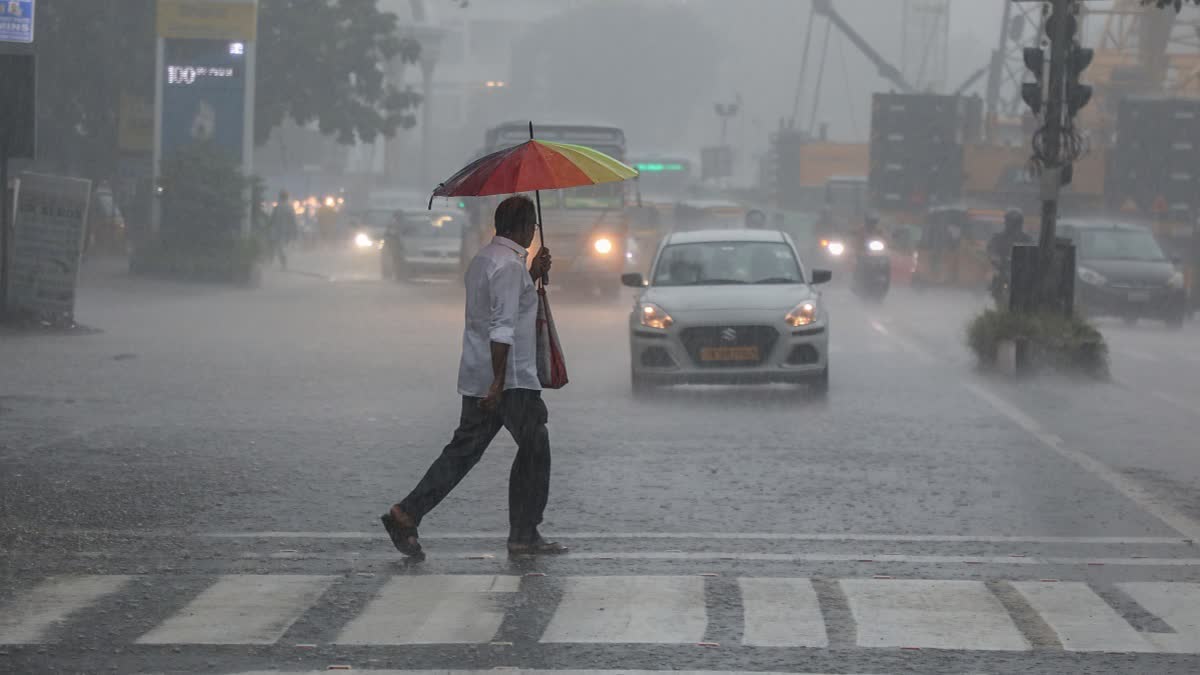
[[1031, 92], [1078, 95]]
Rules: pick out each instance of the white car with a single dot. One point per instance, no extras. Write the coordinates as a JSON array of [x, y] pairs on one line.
[[728, 306]]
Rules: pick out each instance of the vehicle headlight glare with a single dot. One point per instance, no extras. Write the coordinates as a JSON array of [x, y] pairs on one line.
[[603, 246], [802, 314], [836, 248], [1176, 280], [363, 240], [875, 245], [1091, 277], [653, 316]]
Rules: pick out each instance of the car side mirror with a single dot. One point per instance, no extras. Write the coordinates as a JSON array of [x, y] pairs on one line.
[[821, 277], [633, 280]]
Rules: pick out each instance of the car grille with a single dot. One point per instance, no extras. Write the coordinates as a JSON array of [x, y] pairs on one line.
[[696, 338]]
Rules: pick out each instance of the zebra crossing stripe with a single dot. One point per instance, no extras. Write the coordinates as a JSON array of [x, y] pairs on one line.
[[930, 614], [1083, 621], [1176, 603], [629, 610], [30, 617], [780, 612], [242, 609], [432, 609]]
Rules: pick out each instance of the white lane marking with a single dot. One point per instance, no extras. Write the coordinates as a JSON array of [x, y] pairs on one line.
[[1149, 502], [1182, 405], [781, 612], [432, 609], [32, 615], [488, 559], [628, 610], [905, 344], [1083, 621], [241, 609], [731, 536], [930, 614], [1178, 604], [527, 671]]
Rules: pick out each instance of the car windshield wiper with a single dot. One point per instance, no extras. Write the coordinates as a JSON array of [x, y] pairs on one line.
[[778, 280], [716, 282]]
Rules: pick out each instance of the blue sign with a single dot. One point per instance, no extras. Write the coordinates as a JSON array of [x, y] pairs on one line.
[[16, 21], [203, 95]]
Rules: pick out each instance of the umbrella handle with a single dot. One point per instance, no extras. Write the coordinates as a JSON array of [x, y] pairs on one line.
[[537, 197]]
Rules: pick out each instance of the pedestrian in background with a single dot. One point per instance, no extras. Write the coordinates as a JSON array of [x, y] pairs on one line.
[[281, 228], [498, 381]]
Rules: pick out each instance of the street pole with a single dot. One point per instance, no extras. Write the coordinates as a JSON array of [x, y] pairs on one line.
[[1052, 147], [5, 210]]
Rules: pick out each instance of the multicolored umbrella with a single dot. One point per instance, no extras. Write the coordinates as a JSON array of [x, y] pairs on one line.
[[533, 166]]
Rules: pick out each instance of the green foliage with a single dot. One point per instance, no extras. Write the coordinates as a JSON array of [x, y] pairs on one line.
[[324, 61], [203, 204], [88, 53], [1067, 344], [203, 199], [233, 260]]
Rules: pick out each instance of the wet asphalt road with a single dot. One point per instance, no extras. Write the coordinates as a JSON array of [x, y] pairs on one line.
[[223, 455]]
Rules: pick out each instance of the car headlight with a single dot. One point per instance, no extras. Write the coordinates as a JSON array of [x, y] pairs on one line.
[[836, 248], [603, 246], [363, 240], [875, 245], [1091, 277], [802, 314], [1176, 280], [653, 316]]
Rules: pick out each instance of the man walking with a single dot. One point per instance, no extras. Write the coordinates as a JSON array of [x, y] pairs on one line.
[[281, 228], [497, 378]]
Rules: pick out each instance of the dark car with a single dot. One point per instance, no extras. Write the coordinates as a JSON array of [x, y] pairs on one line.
[[1123, 272]]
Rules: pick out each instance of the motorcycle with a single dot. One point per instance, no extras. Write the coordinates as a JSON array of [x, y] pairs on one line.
[[873, 271]]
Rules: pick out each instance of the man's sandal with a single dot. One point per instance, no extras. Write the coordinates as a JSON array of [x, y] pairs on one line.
[[403, 532], [538, 546]]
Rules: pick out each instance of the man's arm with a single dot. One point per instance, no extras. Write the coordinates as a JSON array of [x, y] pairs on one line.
[[504, 285]]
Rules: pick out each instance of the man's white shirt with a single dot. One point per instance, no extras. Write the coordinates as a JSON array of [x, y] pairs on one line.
[[501, 307]]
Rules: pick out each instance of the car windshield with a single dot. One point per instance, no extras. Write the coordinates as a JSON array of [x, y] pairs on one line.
[[1113, 244], [727, 262]]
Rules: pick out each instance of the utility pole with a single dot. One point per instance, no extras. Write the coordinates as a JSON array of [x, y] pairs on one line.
[[1057, 96]]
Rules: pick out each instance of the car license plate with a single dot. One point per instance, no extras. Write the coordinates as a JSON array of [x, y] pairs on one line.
[[729, 354], [1139, 296]]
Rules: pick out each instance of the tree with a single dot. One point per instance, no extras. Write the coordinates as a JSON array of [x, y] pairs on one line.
[[325, 61], [318, 60], [88, 54]]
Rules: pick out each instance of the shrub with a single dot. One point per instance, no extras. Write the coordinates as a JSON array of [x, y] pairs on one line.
[[1062, 343]]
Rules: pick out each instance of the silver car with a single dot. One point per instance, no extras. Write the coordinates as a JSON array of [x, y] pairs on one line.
[[728, 306]]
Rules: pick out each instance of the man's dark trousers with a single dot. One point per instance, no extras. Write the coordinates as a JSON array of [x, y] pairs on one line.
[[524, 414]]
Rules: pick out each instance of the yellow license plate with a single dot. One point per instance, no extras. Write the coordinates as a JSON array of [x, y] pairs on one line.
[[729, 354]]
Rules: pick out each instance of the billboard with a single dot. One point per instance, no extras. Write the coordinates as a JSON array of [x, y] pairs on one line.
[[203, 95]]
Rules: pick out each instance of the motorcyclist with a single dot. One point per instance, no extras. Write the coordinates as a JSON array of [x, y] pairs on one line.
[[870, 230], [1000, 246]]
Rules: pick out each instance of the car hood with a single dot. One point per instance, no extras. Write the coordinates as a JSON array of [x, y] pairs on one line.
[[1135, 272], [705, 298]]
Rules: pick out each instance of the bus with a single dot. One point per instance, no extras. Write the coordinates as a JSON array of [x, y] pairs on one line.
[[587, 228]]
